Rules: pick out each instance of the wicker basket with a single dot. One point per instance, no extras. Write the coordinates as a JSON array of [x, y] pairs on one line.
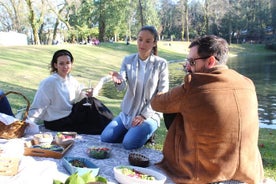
[[9, 166], [16, 129], [137, 159]]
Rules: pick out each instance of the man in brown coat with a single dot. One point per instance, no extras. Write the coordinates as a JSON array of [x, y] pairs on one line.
[[214, 136]]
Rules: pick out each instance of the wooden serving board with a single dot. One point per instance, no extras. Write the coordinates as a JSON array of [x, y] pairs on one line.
[[39, 152]]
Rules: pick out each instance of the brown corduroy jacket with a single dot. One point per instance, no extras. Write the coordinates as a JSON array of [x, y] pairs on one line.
[[215, 134]]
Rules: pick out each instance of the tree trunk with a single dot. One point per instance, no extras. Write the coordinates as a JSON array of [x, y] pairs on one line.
[[55, 30], [206, 17], [141, 13], [187, 21], [273, 11]]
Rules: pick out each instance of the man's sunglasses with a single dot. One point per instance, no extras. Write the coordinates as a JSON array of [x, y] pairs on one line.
[[192, 61]]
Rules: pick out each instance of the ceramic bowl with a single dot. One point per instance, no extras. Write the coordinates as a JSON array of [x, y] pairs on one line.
[[80, 165], [99, 152], [137, 159], [43, 138], [132, 174], [65, 138]]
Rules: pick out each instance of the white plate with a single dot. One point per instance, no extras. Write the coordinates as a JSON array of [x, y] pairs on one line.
[[124, 179]]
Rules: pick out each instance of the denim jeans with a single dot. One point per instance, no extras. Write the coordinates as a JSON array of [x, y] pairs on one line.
[[5, 105], [132, 138]]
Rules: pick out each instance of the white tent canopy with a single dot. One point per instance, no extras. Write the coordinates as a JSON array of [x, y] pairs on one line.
[[12, 39]]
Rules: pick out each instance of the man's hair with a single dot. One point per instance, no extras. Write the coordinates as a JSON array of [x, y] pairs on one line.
[[211, 45]]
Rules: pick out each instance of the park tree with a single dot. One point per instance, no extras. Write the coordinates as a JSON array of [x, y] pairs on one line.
[[36, 12], [273, 15], [81, 21], [141, 13], [186, 20], [231, 24], [116, 23], [62, 11], [12, 16], [168, 14], [183, 11], [206, 16], [234, 20]]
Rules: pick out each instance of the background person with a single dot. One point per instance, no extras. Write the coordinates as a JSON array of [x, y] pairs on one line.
[[214, 136], [143, 74], [5, 106], [59, 101]]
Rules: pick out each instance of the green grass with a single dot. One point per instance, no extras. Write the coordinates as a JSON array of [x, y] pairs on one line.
[[22, 68]]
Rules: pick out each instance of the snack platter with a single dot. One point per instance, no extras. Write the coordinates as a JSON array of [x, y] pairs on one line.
[[29, 150]]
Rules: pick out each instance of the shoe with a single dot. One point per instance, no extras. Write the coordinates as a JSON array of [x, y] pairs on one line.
[[151, 140]]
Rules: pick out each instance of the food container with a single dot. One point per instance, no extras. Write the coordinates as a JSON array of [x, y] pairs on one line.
[[65, 138], [99, 152], [80, 165], [51, 150], [43, 138], [137, 159], [137, 175]]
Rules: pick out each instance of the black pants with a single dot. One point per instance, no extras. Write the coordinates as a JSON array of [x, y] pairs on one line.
[[83, 119], [168, 119]]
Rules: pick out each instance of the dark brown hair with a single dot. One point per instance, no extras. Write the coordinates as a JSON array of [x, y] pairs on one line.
[[155, 36], [211, 45], [57, 54]]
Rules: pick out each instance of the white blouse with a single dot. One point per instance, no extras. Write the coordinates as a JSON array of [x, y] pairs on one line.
[[54, 98]]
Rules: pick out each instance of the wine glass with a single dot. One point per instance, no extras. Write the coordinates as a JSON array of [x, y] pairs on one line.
[[87, 90]]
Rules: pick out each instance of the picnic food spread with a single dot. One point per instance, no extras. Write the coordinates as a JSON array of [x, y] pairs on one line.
[[125, 174], [99, 152], [43, 138], [136, 174], [35, 160], [65, 138], [77, 163]]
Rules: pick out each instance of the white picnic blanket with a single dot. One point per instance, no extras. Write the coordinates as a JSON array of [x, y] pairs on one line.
[[43, 170], [33, 170]]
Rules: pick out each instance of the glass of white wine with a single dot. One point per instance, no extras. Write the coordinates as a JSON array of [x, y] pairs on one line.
[[88, 90]]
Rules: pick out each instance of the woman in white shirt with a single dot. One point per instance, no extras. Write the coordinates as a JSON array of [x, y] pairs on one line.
[[59, 100], [144, 74]]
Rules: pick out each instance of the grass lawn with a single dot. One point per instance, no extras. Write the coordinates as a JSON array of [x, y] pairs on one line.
[[22, 68]]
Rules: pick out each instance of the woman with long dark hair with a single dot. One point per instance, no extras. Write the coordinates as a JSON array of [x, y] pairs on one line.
[[143, 74]]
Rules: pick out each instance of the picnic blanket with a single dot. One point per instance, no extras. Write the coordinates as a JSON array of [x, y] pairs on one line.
[[44, 170], [33, 170]]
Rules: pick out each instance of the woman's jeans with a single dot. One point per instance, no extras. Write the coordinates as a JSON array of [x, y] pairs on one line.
[[5, 105], [132, 138]]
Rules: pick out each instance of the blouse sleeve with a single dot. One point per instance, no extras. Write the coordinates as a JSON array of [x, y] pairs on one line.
[[123, 73], [40, 103]]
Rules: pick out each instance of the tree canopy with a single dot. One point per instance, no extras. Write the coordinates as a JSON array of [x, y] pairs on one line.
[[50, 21]]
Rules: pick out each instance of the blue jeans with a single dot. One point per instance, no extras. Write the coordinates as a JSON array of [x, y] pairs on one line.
[[5, 105], [132, 138]]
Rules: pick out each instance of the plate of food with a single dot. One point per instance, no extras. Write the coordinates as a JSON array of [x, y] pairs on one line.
[[99, 152], [138, 175], [65, 138], [80, 165], [43, 138]]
